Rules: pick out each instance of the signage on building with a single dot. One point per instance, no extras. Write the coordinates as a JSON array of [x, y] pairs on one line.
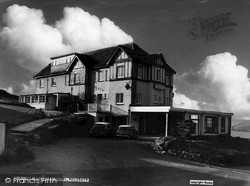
[[159, 86]]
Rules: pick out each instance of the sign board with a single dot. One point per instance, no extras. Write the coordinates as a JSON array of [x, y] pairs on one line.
[[183, 128], [159, 86]]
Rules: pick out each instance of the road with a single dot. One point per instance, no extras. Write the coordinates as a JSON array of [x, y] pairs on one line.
[[121, 162]]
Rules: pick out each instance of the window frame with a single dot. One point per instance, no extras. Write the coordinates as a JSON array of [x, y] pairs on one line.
[[100, 76], [119, 98], [106, 75], [28, 99], [158, 74], [138, 98], [214, 128], [53, 82], [67, 80], [225, 125], [122, 75], [194, 120], [77, 78], [41, 83], [42, 99], [140, 72]]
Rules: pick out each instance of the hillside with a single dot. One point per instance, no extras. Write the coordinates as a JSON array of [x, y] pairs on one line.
[[244, 125], [5, 96]]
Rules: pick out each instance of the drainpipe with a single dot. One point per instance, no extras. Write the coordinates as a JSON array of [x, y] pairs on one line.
[[47, 91]]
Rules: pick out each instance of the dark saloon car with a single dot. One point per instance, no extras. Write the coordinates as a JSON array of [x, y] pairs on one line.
[[127, 131], [102, 129]]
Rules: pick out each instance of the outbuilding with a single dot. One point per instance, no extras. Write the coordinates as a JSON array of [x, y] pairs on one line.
[[167, 121]]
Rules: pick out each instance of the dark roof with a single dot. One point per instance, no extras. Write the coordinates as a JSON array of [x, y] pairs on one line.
[[44, 72], [153, 57], [174, 109], [101, 58]]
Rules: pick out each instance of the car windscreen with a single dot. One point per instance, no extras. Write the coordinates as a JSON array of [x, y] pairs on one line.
[[124, 128]]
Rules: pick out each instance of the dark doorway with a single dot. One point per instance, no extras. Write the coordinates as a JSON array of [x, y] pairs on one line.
[[142, 127]]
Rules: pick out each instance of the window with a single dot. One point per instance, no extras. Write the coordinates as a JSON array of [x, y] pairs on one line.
[[53, 82], [211, 125], [160, 99], [41, 83], [140, 72], [36, 98], [99, 97], [33, 99], [42, 98], [106, 75], [54, 63], [105, 96], [119, 98], [138, 98], [223, 125], [27, 100], [100, 76], [194, 123], [77, 78], [66, 80], [167, 79], [120, 71], [158, 74], [155, 99]]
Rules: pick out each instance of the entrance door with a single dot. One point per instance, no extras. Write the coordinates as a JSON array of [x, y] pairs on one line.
[[142, 127]]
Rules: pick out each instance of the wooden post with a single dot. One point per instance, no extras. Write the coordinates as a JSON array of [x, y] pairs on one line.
[[166, 132]]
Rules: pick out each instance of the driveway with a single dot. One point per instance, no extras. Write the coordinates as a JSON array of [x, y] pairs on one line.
[[121, 162]]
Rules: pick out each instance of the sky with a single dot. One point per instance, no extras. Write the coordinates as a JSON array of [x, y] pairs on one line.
[[212, 64]]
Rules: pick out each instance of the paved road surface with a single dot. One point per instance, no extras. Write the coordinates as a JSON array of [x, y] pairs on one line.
[[121, 162]]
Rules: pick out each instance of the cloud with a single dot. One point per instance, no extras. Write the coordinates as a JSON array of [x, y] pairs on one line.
[[28, 88], [28, 41], [8, 89], [182, 101], [218, 84], [87, 32]]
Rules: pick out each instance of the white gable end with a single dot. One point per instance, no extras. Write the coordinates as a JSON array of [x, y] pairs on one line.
[[122, 56]]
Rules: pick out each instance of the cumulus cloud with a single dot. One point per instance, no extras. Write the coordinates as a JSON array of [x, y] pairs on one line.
[[87, 32], [30, 41], [218, 84], [182, 101]]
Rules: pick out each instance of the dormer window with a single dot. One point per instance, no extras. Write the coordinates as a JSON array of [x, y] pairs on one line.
[[54, 63]]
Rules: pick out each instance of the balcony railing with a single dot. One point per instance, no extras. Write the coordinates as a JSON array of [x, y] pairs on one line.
[[95, 107]]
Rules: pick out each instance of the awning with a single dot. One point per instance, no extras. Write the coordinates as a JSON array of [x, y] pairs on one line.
[[164, 109]]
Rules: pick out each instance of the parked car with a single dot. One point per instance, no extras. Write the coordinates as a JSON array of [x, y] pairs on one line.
[[127, 131], [103, 129]]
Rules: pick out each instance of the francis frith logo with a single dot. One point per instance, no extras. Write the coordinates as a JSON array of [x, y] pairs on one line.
[[211, 27]]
